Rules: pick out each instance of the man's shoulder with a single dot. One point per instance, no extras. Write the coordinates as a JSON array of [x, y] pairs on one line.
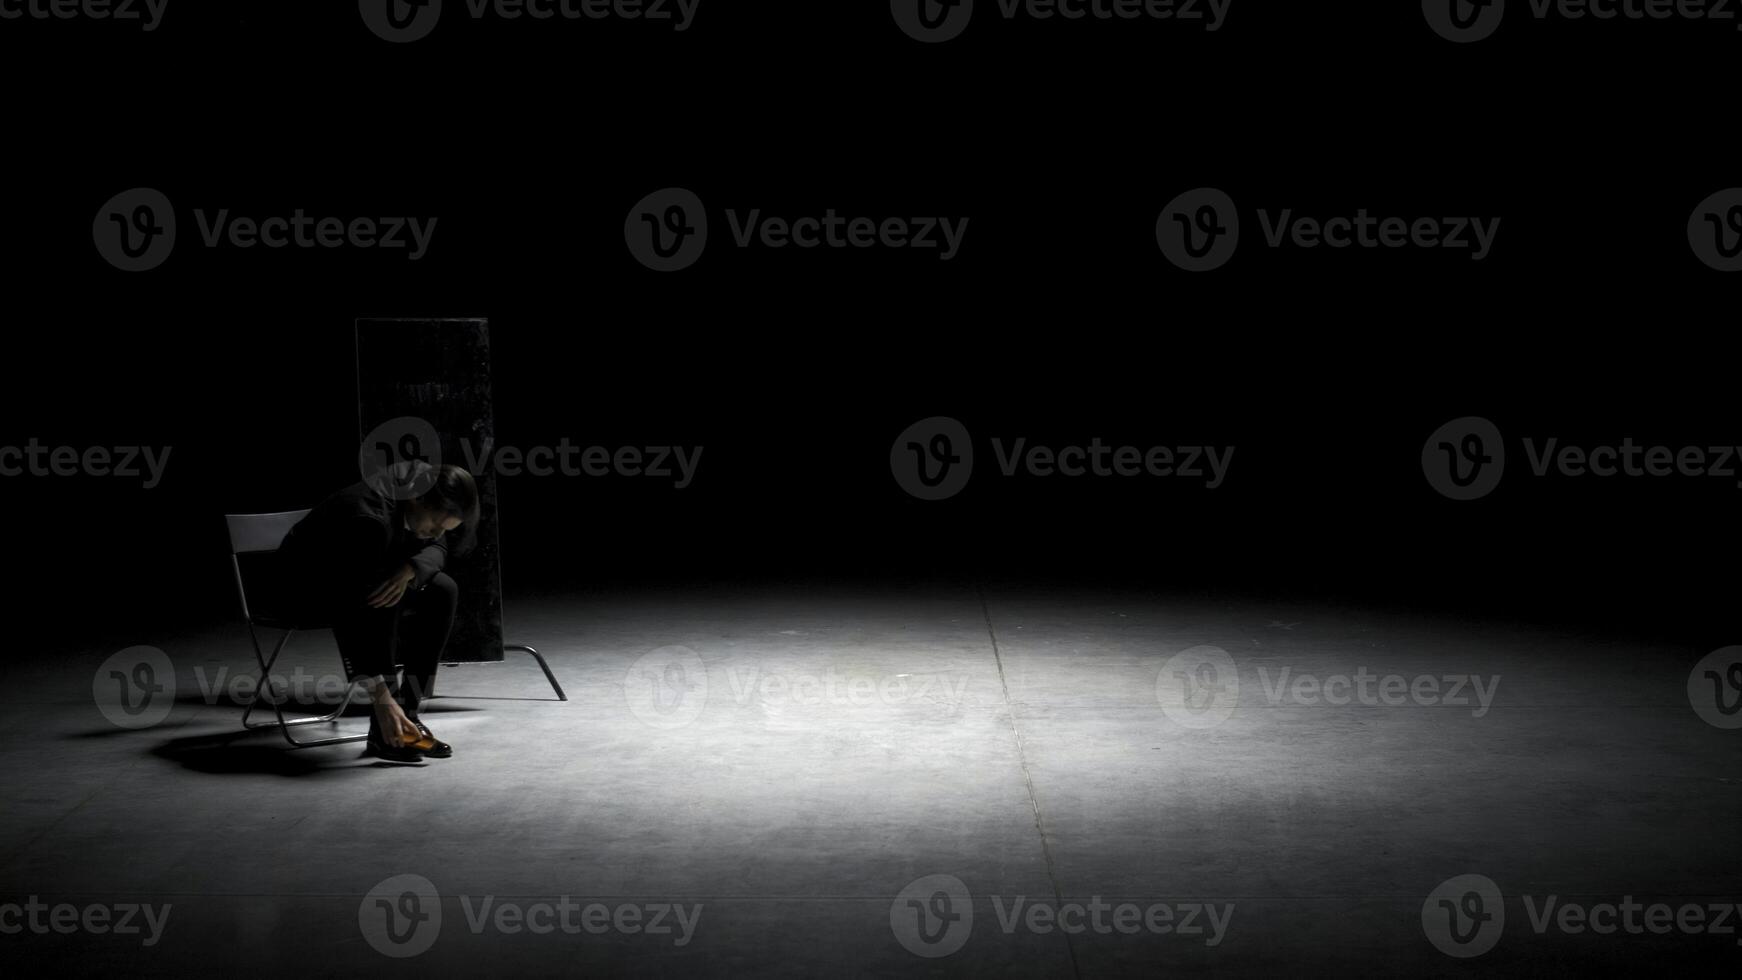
[[344, 518], [357, 500]]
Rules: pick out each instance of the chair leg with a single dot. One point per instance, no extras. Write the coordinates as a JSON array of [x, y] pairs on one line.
[[542, 665], [558, 688], [283, 724]]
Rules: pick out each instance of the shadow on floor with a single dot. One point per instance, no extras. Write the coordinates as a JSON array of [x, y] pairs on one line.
[[265, 752], [262, 753]]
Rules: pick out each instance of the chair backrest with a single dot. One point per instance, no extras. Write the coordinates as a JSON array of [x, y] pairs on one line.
[[260, 532]]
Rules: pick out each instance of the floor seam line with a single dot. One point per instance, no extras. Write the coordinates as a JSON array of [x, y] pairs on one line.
[[1027, 779]]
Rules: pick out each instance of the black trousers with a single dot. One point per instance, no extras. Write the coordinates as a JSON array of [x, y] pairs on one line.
[[413, 632]]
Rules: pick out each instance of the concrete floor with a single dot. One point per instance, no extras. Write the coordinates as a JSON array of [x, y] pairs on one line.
[[844, 746]]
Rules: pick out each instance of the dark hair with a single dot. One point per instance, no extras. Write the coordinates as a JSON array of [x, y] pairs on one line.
[[455, 493]]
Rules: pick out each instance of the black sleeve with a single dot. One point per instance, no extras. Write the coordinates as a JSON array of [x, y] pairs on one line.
[[461, 540], [429, 561]]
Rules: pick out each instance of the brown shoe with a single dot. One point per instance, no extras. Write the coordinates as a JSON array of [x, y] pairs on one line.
[[429, 745], [376, 747]]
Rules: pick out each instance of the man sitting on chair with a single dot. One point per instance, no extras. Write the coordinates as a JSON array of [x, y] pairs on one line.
[[368, 561]]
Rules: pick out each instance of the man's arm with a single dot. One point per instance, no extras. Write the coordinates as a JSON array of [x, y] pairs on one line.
[[429, 561]]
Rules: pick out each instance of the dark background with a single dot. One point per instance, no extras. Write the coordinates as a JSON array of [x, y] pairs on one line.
[[1060, 321]]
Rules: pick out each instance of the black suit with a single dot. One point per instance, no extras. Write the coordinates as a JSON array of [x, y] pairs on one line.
[[341, 552]]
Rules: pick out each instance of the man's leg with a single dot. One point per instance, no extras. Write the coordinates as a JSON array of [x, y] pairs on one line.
[[366, 639], [424, 636]]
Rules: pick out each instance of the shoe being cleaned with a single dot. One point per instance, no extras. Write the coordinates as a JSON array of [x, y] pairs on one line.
[[429, 745], [411, 736]]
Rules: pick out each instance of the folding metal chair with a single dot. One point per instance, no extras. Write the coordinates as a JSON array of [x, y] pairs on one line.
[[258, 533]]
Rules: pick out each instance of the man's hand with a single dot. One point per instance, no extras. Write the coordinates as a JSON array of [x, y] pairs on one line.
[[390, 718], [396, 728], [389, 593]]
